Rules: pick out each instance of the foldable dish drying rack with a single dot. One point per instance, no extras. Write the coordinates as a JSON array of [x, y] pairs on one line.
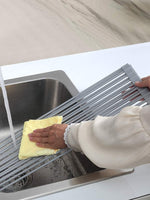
[[106, 97]]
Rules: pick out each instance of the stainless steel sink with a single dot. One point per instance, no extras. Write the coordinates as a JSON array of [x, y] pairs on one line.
[[30, 97]]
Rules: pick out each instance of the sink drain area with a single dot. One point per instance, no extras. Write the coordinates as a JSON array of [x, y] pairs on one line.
[[22, 184], [67, 167]]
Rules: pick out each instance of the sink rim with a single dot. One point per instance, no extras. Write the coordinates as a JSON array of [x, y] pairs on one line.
[[60, 186], [58, 75]]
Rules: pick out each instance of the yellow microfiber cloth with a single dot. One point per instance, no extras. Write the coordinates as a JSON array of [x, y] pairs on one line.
[[29, 149]]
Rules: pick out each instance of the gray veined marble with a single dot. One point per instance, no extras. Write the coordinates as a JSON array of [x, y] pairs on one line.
[[35, 29]]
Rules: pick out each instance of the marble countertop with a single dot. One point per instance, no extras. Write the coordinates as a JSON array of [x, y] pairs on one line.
[[36, 29]]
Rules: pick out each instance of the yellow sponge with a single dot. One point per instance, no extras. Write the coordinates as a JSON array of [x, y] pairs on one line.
[[29, 149]]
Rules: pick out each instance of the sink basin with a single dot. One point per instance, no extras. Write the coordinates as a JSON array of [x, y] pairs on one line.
[[30, 97]]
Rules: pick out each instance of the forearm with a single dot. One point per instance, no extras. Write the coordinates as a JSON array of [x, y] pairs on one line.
[[121, 141]]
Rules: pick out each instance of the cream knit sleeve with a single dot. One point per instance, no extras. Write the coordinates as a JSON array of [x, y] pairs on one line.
[[121, 141]]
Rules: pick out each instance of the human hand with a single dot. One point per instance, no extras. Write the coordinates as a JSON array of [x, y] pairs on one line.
[[144, 83], [51, 137]]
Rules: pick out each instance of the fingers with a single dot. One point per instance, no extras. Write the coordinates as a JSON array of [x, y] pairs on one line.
[[42, 136], [50, 137], [46, 145], [38, 139], [43, 132], [144, 83], [39, 134], [144, 78]]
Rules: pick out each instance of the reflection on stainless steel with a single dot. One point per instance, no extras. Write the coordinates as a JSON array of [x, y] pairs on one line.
[[31, 97]]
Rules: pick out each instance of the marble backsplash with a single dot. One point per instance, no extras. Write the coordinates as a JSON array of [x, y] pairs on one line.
[[36, 29]]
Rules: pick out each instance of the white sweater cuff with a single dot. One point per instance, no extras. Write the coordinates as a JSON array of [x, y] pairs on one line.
[[71, 137]]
